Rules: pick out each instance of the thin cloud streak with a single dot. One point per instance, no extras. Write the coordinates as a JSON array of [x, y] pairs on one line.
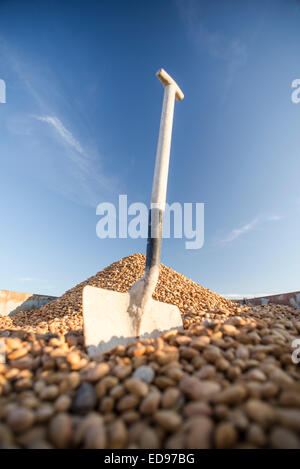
[[81, 157], [84, 180], [240, 296], [86, 167], [65, 134], [238, 232], [28, 279], [229, 50]]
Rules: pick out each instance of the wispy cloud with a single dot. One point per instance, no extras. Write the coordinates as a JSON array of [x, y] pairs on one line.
[[35, 284], [238, 296], [28, 279], [64, 133], [274, 218], [79, 171], [238, 232], [86, 165], [78, 156], [232, 51]]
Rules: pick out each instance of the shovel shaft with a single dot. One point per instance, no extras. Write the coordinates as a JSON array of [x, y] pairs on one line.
[[141, 292], [160, 179]]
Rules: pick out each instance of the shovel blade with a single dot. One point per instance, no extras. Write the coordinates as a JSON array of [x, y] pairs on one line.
[[107, 323]]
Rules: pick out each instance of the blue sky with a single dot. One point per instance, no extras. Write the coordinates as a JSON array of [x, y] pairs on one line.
[[80, 127]]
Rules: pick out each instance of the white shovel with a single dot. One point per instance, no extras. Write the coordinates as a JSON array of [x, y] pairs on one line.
[[112, 318]]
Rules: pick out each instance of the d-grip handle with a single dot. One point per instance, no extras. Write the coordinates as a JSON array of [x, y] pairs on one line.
[[165, 78]]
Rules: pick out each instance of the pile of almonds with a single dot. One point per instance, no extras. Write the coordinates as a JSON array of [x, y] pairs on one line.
[[226, 381], [65, 313]]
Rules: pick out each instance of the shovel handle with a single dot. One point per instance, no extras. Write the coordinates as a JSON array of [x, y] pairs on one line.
[[160, 179], [165, 78], [141, 291]]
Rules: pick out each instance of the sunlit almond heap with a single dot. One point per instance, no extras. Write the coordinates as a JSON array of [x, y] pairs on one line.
[[227, 381]]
